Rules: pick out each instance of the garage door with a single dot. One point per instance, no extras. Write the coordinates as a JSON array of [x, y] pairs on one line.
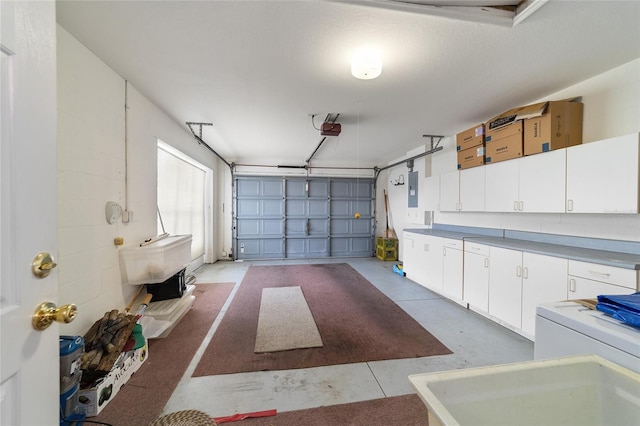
[[289, 217]]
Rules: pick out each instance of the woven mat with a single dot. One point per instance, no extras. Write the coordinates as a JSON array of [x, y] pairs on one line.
[[285, 321]]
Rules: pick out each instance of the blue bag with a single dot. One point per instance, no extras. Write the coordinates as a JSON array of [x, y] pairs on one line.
[[625, 308]]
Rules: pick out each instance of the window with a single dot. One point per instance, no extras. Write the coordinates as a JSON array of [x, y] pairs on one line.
[[182, 199]]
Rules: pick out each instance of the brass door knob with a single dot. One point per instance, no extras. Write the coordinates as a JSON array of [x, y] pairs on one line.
[[47, 313]]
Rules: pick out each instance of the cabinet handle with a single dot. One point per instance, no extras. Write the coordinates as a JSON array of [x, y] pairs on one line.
[[521, 205], [602, 274], [426, 247], [572, 285], [444, 251], [515, 206], [570, 205], [525, 272], [519, 271], [486, 262]]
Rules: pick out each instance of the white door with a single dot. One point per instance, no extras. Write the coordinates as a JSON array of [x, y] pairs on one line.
[[542, 182], [29, 383], [544, 280], [505, 285]]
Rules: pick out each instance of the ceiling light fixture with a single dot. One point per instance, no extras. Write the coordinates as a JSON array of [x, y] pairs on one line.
[[366, 64]]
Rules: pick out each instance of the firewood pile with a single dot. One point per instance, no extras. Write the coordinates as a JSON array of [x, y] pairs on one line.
[[105, 340]]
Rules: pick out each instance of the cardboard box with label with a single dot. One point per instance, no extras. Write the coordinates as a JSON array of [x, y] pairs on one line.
[[546, 125], [558, 124], [471, 157], [470, 138], [94, 398], [506, 147]]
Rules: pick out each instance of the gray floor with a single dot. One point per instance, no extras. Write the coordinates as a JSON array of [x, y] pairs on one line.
[[474, 340]]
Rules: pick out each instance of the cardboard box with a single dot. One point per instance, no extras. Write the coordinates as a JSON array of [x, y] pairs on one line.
[[504, 131], [557, 125], [470, 138], [471, 157], [504, 148], [93, 397]]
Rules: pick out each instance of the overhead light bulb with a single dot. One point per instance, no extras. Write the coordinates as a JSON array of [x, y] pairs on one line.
[[366, 64]]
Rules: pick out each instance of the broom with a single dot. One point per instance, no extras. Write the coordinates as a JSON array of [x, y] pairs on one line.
[[388, 232]]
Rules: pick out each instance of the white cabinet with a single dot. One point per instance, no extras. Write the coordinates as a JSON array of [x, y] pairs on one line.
[[463, 190], [409, 254], [589, 280], [543, 281], [534, 184], [505, 285], [542, 182], [520, 281], [476, 275], [602, 177], [432, 193], [452, 269], [472, 190], [422, 259], [450, 191], [431, 259]]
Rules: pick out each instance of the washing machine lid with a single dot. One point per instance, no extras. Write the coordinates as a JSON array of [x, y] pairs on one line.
[[592, 323]]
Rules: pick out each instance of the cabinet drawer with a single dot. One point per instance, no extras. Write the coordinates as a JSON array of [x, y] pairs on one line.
[[476, 248], [450, 243], [604, 273]]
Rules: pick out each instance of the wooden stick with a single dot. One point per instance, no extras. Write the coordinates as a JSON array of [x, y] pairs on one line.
[[130, 305]]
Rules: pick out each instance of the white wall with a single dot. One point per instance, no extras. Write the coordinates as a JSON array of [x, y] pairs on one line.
[[611, 108], [95, 166]]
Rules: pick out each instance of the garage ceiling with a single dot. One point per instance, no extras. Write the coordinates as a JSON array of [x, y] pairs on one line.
[[256, 70]]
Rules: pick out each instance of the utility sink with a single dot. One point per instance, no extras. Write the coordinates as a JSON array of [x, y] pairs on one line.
[[581, 390], [156, 261]]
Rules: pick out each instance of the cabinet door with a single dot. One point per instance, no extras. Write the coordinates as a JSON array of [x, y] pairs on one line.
[[432, 263], [472, 189], [452, 269], [602, 177], [582, 288], [449, 191], [505, 285], [543, 281], [409, 255], [476, 276], [502, 186], [432, 193], [542, 182]]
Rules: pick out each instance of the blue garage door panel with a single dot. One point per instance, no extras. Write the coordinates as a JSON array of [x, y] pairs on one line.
[[260, 248], [307, 247], [296, 207], [248, 208], [248, 187], [318, 188], [248, 228], [318, 207], [254, 228], [272, 187], [346, 227], [351, 247], [340, 208], [259, 208], [272, 208], [307, 227]]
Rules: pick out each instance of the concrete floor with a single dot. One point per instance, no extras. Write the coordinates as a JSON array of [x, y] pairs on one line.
[[474, 340]]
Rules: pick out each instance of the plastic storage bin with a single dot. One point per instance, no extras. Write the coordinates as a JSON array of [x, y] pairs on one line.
[[582, 390], [386, 248], [156, 262]]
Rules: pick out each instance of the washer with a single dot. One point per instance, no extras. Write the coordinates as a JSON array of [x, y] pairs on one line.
[[568, 328]]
